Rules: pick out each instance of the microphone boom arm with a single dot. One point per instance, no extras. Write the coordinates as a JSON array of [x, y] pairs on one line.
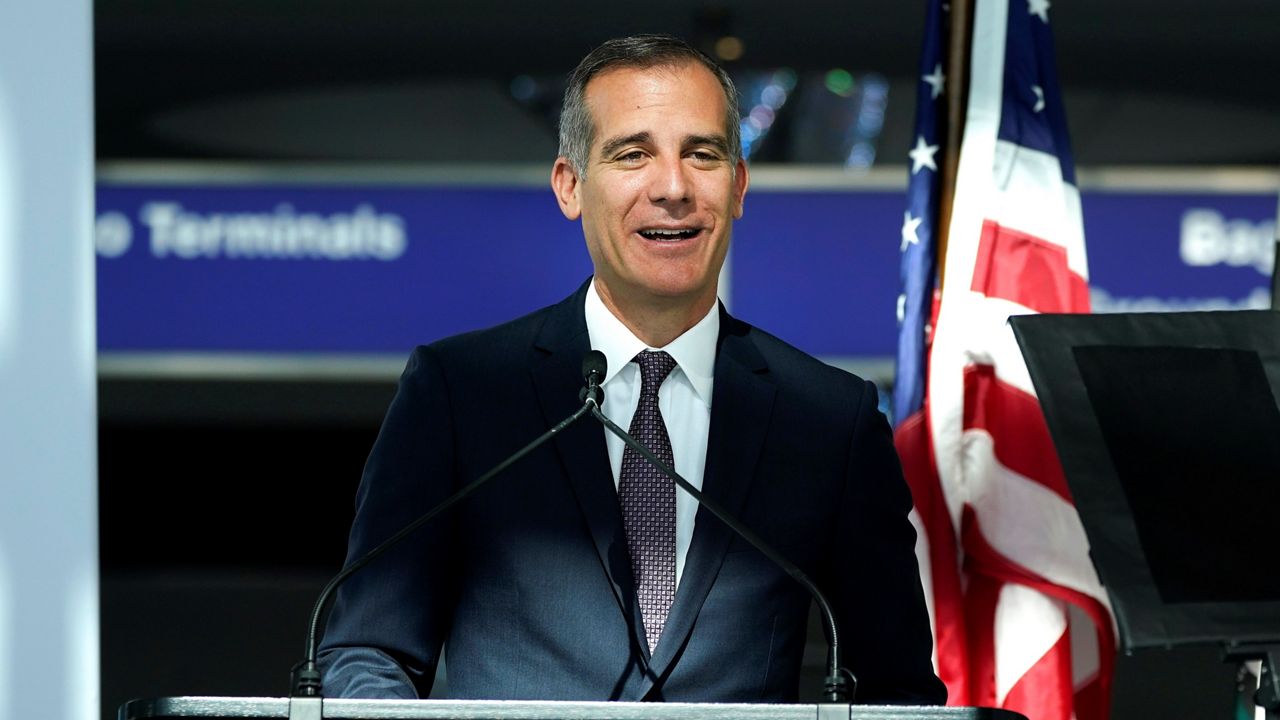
[[306, 675]]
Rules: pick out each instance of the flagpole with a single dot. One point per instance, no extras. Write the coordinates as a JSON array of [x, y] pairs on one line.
[[959, 36]]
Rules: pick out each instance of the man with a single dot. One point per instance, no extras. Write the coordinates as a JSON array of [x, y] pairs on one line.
[[580, 573]]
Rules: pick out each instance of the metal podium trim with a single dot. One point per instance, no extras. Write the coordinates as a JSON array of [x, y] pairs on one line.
[[249, 708]]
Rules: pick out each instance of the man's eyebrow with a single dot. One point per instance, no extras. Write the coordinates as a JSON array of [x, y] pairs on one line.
[[614, 144], [719, 142]]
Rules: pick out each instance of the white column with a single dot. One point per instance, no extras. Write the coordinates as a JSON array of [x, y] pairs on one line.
[[48, 447]]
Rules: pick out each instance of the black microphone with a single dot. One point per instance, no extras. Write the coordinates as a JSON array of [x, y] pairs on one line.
[[305, 679], [594, 367], [840, 685]]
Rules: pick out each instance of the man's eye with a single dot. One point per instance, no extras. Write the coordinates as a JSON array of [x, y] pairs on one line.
[[631, 157], [704, 156]]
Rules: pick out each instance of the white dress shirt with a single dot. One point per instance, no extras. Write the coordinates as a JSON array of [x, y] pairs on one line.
[[684, 399]]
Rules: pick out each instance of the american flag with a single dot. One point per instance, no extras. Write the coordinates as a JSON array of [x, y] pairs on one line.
[[1020, 619]]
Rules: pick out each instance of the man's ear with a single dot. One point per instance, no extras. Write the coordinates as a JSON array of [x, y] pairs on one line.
[[741, 179], [564, 182]]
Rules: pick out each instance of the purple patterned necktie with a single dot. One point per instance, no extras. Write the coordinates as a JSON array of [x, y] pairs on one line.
[[649, 501]]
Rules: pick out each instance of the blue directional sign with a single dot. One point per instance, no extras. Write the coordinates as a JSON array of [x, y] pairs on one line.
[[297, 268]]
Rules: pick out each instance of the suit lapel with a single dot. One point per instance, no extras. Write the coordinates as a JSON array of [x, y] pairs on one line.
[[742, 402], [556, 369]]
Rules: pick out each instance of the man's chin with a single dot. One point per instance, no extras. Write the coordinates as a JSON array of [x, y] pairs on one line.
[[675, 296]]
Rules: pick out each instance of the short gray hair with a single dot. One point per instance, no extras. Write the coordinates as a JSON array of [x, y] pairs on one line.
[[577, 129]]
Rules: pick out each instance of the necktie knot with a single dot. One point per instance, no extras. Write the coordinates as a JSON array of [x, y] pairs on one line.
[[655, 366]]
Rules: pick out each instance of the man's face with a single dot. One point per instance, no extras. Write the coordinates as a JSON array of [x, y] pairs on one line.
[[661, 192]]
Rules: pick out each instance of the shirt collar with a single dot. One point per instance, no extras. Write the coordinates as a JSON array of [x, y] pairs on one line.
[[694, 351]]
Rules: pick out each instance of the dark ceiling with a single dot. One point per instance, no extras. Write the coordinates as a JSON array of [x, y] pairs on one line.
[[1146, 82]]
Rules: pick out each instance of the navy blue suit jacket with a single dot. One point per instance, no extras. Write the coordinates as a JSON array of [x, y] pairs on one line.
[[528, 583]]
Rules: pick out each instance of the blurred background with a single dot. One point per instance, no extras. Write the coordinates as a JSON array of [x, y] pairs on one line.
[[1147, 82], [293, 194]]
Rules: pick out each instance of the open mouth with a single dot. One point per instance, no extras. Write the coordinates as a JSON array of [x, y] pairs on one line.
[[669, 235]]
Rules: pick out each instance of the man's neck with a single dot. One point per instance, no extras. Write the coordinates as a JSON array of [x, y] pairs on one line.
[[656, 323]]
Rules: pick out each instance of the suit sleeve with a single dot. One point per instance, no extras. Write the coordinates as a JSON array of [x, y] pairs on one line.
[[384, 636], [883, 619]]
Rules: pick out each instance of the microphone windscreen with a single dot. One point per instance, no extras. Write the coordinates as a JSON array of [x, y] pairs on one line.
[[594, 363]]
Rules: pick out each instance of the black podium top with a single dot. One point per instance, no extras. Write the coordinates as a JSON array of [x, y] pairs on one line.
[[212, 708]]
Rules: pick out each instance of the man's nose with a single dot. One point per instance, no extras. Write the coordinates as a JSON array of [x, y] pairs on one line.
[[670, 183]]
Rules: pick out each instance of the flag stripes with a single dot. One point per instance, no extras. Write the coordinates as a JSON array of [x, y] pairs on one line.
[[1027, 270], [937, 552], [1046, 684], [1030, 194], [1017, 428]]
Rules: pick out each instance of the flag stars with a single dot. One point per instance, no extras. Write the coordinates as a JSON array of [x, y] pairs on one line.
[[1039, 8], [910, 226], [1039, 91], [935, 80], [922, 156]]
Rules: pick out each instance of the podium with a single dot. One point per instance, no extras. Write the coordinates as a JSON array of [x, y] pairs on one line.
[[229, 708]]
